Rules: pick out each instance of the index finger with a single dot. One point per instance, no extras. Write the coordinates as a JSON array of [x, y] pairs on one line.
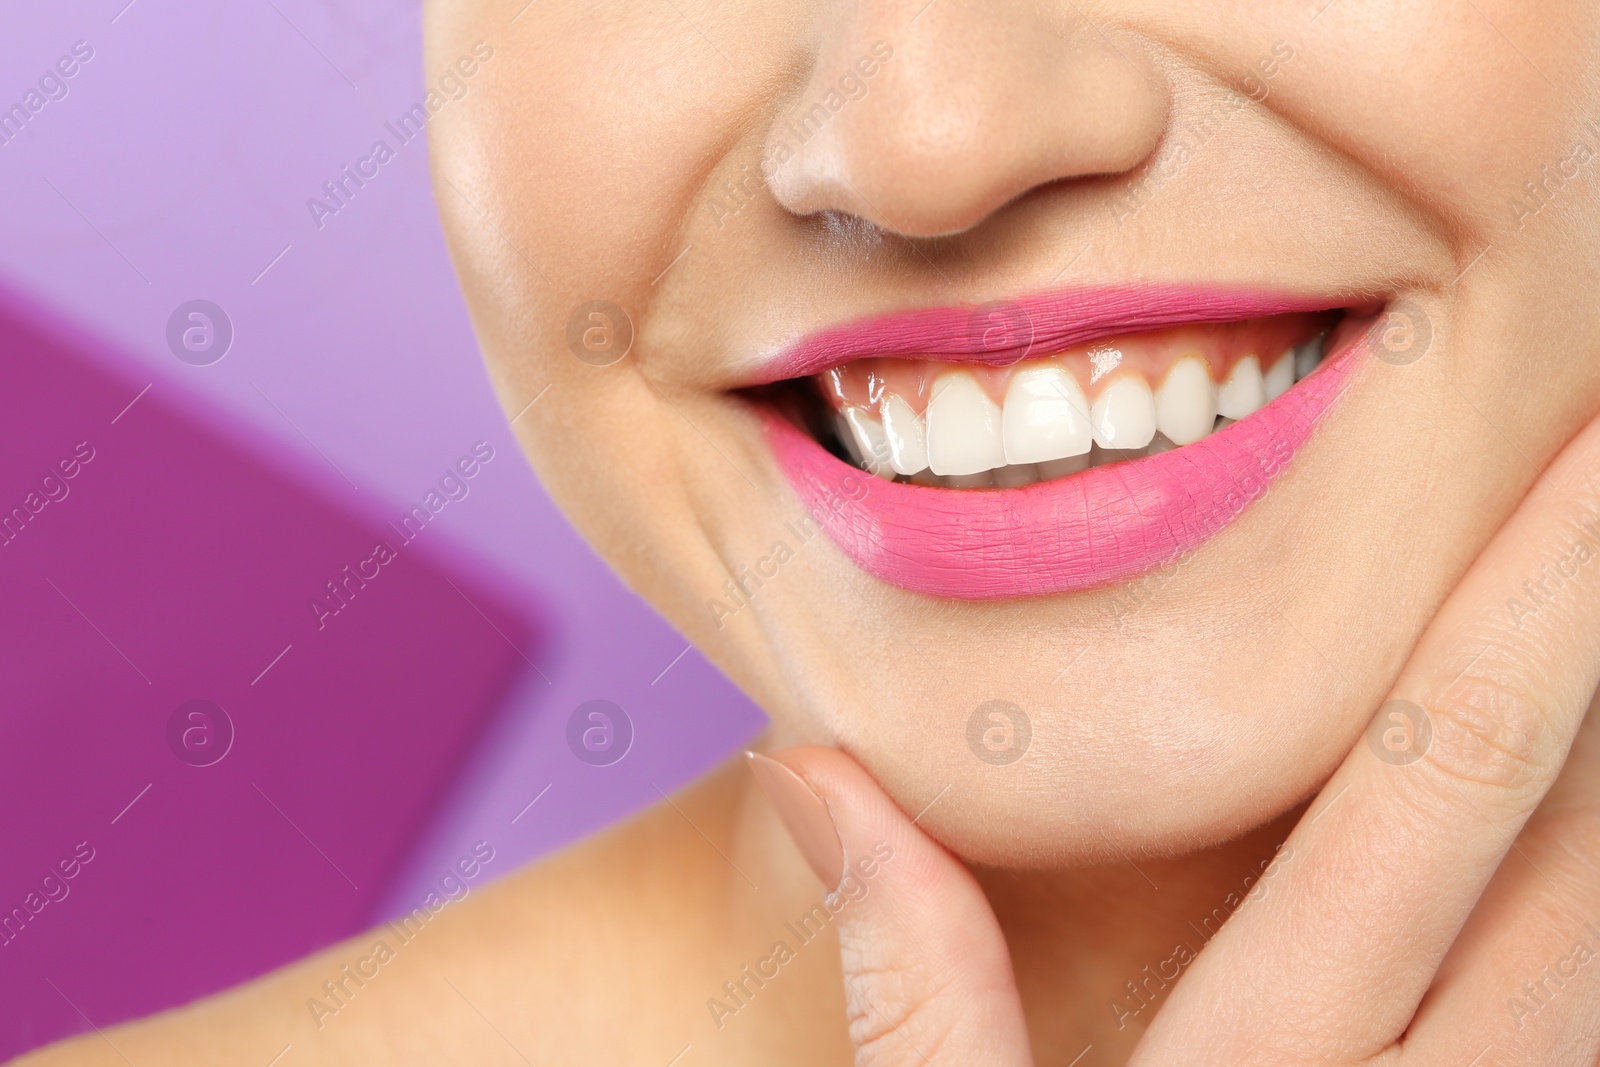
[[1371, 888]]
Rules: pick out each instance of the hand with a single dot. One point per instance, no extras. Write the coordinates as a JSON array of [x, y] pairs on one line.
[[1393, 933]]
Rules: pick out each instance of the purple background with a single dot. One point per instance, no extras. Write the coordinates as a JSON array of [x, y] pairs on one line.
[[164, 570], [178, 167]]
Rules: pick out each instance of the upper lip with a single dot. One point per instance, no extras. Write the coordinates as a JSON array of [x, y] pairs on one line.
[[1002, 332]]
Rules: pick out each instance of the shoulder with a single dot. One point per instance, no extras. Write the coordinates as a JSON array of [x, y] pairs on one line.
[[603, 952]]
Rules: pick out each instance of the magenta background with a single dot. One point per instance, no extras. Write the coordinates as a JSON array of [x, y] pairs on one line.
[[173, 567], [190, 143]]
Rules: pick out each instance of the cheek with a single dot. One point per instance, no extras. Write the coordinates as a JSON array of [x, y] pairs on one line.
[[617, 162], [1384, 86]]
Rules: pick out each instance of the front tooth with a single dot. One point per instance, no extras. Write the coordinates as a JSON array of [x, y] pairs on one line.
[[963, 426], [1186, 403], [871, 444], [1279, 376], [1046, 416], [1244, 391], [907, 434], [1124, 414]]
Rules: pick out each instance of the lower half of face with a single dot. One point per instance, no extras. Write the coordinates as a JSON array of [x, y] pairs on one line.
[[1075, 416]]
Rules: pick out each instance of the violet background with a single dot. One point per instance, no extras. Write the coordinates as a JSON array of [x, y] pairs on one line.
[[178, 167]]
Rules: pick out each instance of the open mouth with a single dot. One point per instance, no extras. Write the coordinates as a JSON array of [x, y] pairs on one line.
[[1106, 432], [951, 426]]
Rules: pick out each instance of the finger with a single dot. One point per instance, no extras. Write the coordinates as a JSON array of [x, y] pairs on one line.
[[927, 975], [1522, 982], [1373, 885]]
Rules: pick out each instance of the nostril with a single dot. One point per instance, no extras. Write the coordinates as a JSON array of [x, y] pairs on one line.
[[930, 135]]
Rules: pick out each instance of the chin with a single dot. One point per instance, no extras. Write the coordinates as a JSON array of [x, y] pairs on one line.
[[1053, 650]]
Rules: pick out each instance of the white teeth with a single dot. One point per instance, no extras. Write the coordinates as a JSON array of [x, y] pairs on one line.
[[1046, 416], [1046, 428], [1244, 391], [1186, 403], [872, 447], [1307, 356], [1279, 376], [1124, 415], [907, 434], [963, 426]]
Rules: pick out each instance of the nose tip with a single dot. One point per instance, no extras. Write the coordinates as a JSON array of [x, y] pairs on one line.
[[970, 109]]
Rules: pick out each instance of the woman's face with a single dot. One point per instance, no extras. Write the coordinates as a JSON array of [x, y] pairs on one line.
[[1100, 222]]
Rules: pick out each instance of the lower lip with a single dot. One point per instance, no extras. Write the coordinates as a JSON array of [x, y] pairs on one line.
[[1102, 525]]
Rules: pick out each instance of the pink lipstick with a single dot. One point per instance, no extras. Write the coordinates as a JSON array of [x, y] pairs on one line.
[[1045, 531]]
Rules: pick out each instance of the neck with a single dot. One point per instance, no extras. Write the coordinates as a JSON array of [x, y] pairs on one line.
[[1095, 949]]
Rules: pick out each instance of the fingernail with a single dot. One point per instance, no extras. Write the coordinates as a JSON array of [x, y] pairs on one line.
[[805, 815]]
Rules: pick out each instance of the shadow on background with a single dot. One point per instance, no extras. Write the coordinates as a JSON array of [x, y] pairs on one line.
[[230, 705]]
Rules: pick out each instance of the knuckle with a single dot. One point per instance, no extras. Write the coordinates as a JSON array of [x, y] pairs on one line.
[[1490, 729], [894, 1018]]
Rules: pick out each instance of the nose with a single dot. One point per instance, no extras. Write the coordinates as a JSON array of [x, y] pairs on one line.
[[925, 119]]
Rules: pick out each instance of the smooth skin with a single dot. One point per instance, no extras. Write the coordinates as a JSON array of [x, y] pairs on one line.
[[1395, 929], [616, 152], [1189, 728]]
